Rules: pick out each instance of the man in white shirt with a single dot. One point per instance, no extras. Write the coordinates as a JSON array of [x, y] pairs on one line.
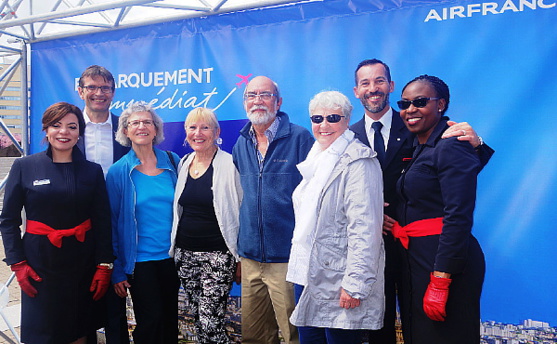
[[96, 88]]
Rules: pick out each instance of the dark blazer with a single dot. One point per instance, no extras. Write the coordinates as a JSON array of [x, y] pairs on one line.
[[118, 150], [398, 154], [399, 148]]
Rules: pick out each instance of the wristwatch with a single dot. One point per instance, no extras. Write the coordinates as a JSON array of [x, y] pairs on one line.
[[110, 266]]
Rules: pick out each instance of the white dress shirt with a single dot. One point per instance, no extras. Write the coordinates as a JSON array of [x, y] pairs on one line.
[[386, 120], [98, 142]]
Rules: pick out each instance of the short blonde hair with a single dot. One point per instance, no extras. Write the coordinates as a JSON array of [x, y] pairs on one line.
[[204, 115]]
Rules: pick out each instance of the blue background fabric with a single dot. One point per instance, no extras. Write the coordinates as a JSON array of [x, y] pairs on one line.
[[498, 58]]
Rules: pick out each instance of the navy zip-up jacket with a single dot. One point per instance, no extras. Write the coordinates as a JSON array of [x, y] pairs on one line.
[[266, 213]]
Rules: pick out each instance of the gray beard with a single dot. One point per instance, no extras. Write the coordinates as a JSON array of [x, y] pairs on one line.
[[265, 118]]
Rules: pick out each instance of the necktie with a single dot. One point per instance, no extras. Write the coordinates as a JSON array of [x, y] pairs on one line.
[[378, 143]]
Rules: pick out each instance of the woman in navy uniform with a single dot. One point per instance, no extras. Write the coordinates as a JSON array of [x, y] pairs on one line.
[[443, 265], [63, 262]]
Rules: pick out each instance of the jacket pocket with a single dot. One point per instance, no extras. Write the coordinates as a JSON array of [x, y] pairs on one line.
[[330, 259]]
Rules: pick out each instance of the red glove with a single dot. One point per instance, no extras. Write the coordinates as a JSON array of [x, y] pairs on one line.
[[101, 282], [23, 272], [435, 298]]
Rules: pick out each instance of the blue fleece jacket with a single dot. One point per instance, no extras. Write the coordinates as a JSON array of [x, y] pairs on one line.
[[266, 213], [121, 193]]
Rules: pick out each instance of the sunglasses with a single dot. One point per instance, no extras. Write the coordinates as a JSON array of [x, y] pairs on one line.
[[419, 103], [334, 118]]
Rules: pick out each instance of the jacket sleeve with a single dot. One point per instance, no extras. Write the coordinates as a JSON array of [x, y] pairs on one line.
[[101, 220], [363, 201], [115, 197], [10, 220], [485, 153], [457, 169]]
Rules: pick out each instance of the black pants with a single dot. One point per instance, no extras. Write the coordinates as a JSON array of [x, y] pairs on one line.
[[116, 329], [154, 292], [116, 320]]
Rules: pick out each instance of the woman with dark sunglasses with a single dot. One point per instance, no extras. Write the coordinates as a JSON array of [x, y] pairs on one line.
[[337, 257], [443, 264]]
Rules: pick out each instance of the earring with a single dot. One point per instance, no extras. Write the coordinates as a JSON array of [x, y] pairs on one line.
[[218, 141]]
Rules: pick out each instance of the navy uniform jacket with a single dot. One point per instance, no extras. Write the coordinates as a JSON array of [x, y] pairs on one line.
[[398, 154], [441, 181], [62, 196]]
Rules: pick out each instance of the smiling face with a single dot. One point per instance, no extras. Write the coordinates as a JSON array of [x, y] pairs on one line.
[[201, 136], [141, 129], [422, 120], [373, 89], [262, 111], [97, 101], [63, 134], [326, 133]]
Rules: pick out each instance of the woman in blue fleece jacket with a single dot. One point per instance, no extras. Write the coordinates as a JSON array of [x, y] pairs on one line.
[[141, 191]]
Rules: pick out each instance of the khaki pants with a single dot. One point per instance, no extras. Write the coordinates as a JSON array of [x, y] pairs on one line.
[[267, 303]]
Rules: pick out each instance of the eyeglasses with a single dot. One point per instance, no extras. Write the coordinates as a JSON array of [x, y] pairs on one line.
[[334, 118], [262, 96], [135, 124], [419, 103], [93, 89]]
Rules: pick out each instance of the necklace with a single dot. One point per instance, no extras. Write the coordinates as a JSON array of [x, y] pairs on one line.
[[196, 169]]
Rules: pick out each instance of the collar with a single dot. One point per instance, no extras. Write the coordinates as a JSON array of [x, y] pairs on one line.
[[76, 153], [435, 136], [386, 120], [270, 132], [87, 120]]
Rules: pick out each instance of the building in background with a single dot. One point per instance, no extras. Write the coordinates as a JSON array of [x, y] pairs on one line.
[[10, 110]]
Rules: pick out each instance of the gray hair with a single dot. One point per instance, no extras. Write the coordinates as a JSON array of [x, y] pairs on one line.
[[132, 108], [277, 91], [331, 100]]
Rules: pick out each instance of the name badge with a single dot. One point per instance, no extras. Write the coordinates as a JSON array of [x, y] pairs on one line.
[[41, 182]]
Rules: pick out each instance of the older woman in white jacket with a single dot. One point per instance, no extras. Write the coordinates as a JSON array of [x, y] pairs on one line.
[[337, 256], [205, 229]]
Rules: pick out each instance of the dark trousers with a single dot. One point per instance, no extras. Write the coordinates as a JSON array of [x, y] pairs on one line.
[[116, 320], [116, 329], [154, 292], [387, 334]]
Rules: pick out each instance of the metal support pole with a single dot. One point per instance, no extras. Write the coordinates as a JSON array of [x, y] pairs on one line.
[[24, 100]]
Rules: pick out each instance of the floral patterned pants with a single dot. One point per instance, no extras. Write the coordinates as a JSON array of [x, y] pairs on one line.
[[207, 279]]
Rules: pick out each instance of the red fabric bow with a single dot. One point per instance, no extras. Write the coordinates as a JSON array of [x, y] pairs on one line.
[[417, 229], [55, 235]]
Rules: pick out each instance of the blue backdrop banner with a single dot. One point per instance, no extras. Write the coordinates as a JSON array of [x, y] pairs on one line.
[[498, 58]]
